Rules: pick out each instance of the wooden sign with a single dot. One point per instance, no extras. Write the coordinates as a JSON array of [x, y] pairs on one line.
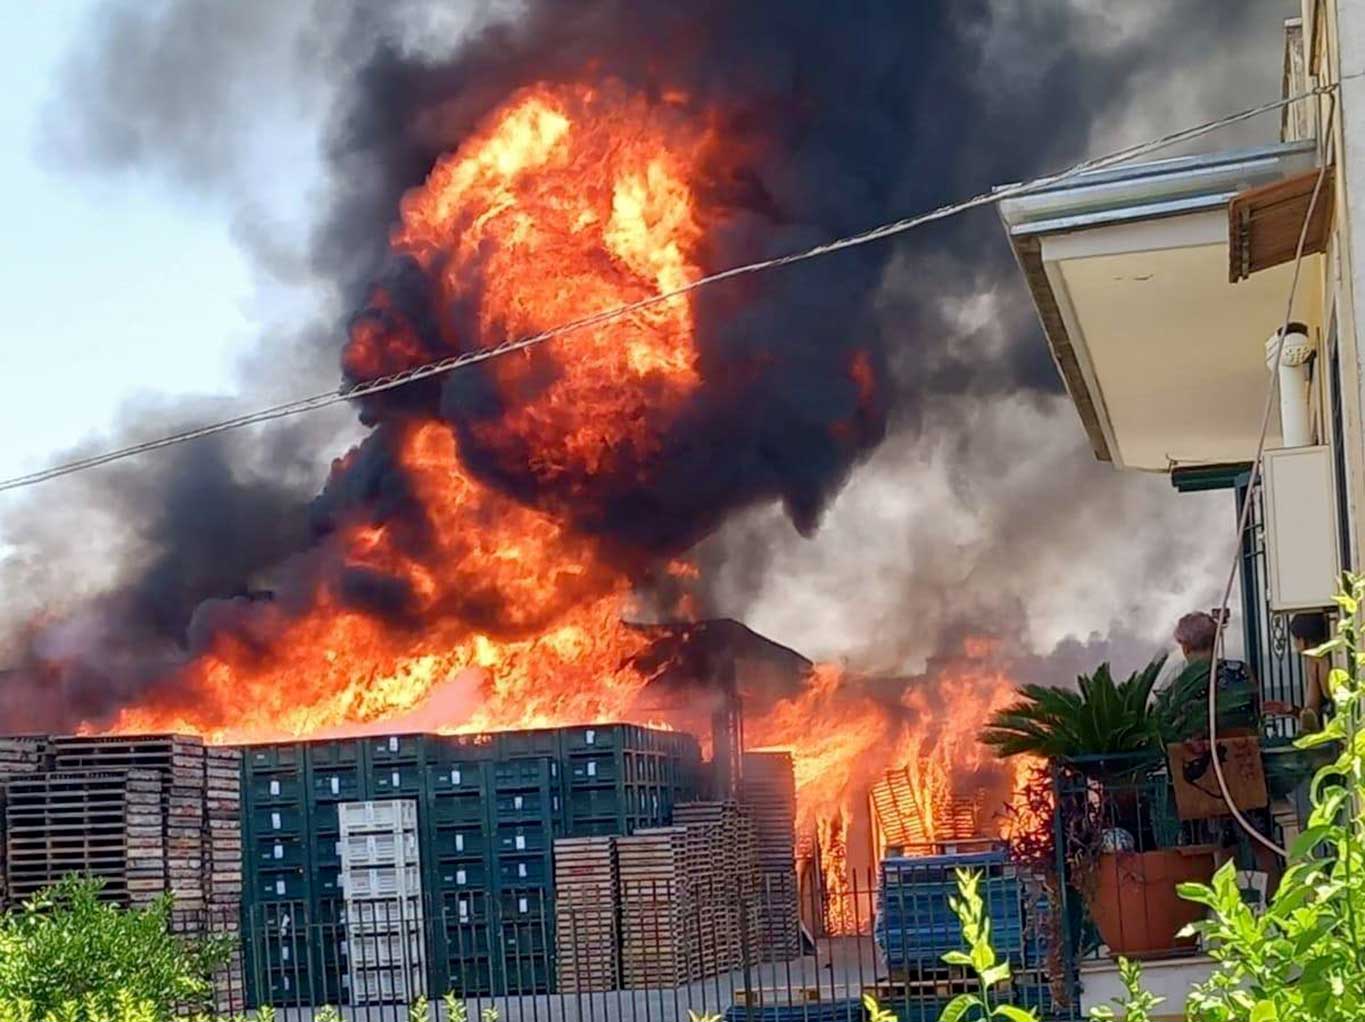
[[1197, 795]]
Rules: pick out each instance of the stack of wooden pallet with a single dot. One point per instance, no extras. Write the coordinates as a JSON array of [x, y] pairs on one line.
[[725, 883], [56, 824], [768, 797], [587, 944], [144, 836], [179, 762], [658, 947], [222, 865], [18, 756], [145, 813]]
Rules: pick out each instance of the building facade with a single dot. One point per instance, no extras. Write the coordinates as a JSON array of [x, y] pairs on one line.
[[1162, 289]]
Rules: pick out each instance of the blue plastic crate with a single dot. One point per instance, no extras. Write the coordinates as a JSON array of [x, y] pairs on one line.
[[407, 748], [458, 810], [337, 783], [524, 871], [396, 780], [525, 774], [915, 923], [461, 876], [343, 752], [457, 843]]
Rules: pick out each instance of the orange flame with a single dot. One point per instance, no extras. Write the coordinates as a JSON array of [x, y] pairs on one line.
[[566, 201]]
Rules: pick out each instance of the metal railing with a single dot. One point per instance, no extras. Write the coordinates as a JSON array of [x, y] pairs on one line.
[[650, 954], [1277, 667], [1121, 849]]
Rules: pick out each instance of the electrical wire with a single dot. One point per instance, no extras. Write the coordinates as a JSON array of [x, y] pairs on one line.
[[446, 365], [1244, 516]]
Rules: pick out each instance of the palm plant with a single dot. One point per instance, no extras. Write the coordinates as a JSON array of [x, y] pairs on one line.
[[1101, 726]]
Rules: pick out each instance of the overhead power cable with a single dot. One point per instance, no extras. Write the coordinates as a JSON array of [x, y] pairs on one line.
[[446, 365]]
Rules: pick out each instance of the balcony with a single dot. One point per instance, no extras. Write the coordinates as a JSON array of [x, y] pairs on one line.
[[1132, 272]]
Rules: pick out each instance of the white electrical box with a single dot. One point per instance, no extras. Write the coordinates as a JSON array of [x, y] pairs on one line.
[[1302, 548]]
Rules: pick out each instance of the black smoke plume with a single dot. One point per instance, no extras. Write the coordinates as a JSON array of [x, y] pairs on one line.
[[866, 110]]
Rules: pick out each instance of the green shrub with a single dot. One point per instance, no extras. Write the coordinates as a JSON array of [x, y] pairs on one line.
[[68, 956]]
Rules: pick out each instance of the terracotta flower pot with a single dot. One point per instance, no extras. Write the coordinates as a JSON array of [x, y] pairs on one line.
[[1134, 901]]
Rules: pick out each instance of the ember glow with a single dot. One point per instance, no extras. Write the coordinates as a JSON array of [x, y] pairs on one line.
[[459, 586]]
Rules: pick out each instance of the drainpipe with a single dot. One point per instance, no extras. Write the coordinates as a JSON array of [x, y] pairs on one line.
[[1296, 420]]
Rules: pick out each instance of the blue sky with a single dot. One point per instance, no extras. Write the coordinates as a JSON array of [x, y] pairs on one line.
[[112, 286]]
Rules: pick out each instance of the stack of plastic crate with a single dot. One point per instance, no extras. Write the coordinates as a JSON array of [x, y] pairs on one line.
[[526, 815], [381, 876], [915, 921]]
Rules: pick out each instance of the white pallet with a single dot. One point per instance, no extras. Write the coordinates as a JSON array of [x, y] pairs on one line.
[[382, 882], [389, 849], [379, 816], [373, 950], [386, 986], [386, 915]]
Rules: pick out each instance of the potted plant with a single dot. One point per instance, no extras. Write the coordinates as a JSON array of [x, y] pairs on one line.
[[1106, 738]]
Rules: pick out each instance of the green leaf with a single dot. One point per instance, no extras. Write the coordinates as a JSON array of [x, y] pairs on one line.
[[956, 1009], [983, 957], [1200, 894], [1264, 1011], [1307, 841], [996, 974], [1330, 646], [1014, 1014], [957, 957]]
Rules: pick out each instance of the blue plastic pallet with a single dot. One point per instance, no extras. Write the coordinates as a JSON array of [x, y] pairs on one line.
[[915, 923], [843, 1010]]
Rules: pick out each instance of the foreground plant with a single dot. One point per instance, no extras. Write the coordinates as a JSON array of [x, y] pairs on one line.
[[1136, 1006], [66, 952], [991, 974]]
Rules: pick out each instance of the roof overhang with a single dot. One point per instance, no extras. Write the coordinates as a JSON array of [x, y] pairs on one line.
[[1129, 269]]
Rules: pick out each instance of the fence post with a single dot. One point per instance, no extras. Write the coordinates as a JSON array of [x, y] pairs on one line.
[[746, 959]]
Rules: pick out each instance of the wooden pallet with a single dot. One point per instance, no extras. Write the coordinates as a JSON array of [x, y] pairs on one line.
[[181, 820], [90, 823], [768, 796], [658, 947], [587, 932]]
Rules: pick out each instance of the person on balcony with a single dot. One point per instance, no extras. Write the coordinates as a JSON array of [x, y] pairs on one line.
[[1239, 716], [1308, 632], [1238, 710]]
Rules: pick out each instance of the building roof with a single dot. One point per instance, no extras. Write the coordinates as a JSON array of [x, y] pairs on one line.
[[1128, 268]]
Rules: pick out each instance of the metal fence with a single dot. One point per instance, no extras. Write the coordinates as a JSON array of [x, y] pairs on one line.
[[661, 954]]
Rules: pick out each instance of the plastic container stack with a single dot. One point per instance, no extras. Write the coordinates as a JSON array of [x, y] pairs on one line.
[[381, 876]]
